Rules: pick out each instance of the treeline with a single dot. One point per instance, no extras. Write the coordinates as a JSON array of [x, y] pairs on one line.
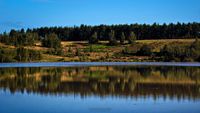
[[142, 31]]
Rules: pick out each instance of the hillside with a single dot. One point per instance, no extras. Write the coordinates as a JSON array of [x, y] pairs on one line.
[[82, 51]]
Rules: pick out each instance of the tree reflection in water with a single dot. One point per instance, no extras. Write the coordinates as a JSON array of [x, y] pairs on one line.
[[123, 81]]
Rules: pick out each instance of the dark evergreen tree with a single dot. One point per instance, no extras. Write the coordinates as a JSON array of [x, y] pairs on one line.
[[122, 38], [112, 39], [93, 39], [131, 38]]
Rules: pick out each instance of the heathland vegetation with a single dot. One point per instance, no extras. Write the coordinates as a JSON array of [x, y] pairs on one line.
[[135, 42]]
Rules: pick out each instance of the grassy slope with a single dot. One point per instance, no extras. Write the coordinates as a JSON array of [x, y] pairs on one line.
[[102, 52]]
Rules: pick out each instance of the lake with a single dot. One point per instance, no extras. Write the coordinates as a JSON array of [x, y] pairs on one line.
[[100, 87]]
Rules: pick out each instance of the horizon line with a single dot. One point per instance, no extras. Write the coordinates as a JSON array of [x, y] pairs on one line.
[[93, 25]]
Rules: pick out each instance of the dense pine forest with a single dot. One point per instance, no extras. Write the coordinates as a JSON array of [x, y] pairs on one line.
[[104, 43], [142, 31]]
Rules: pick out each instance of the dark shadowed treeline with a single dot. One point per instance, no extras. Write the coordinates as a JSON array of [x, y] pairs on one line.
[[142, 31]]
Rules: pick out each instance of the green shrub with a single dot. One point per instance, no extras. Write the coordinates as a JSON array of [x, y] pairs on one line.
[[145, 50]]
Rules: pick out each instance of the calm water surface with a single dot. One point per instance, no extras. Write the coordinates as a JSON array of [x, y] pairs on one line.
[[100, 88]]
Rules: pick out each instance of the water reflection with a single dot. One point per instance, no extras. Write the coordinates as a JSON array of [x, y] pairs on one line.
[[119, 81]]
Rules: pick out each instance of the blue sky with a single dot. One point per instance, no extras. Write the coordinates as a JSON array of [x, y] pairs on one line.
[[17, 14]]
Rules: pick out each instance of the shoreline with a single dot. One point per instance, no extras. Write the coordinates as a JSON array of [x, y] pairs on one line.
[[90, 64]]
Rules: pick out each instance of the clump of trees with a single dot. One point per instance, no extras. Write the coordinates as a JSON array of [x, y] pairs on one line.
[[113, 40], [51, 41], [19, 38], [27, 55], [54, 43], [168, 52], [182, 53], [7, 55], [20, 54]]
